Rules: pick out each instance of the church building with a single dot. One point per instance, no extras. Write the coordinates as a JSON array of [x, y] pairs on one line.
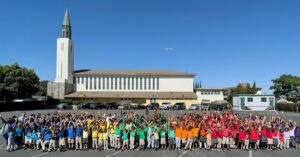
[[136, 86]]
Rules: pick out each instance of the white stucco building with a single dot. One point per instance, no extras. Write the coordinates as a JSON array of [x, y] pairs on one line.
[[254, 102], [139, 86], [212, 94]]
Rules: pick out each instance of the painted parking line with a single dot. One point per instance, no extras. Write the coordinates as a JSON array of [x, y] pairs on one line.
[[250, 153], [115, 153], [40, 154], [183, 153]]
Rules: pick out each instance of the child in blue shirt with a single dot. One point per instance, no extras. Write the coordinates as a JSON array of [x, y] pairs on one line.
[[11, 139], [33, 139]]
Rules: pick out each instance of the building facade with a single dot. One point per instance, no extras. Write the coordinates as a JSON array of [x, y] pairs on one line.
[[253, 102], [212, 94], [137, 86]]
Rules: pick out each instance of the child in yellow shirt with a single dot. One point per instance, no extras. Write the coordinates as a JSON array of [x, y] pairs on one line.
[[100, 138], [94, 137]]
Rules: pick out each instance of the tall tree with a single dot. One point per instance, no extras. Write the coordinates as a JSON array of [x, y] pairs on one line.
[[287, 87], [42, 88], [17, 82]]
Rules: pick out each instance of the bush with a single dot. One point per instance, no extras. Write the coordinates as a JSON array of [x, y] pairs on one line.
[[291, 107]]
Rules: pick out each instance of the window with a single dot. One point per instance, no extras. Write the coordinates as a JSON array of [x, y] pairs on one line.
[[120, 83], [132, 83], [107, 83], [91, 83], [78, 80], [250, 99], [95, 84], [103, 82], [149, 83], [128, 81], [124, 84], [157, 83], [99, 82], [263, 99], [111, 83], [82, 80], [86, 83], [116, 83], [153, 83], [137, 83], [145, 83], [141, 83]]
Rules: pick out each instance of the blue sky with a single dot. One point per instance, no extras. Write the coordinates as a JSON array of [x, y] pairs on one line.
[[222, 41]]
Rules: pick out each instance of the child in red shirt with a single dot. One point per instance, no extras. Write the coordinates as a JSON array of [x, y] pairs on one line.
[[275, 138], [241, 137], [281, 139], [270, 138]]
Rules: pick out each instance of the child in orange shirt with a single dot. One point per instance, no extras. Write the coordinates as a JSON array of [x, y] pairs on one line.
[[184, 136]]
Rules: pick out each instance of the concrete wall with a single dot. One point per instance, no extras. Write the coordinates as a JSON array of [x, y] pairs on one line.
[[58, 90]]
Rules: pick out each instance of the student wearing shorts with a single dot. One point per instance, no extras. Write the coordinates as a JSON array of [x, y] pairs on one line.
[[94, 137], [202, 138], [184, 137], [38, 139], [225, 140], [163, 138], [232, 137], [132, 138], [220, 137], [195, 136], [287, 138], [171, 134], [214, 138], [142, 137], [100, 139], [125, 139], [85, 138], [156, 139], [34, 139], [252, 138], [111, 132], [263, 138], [275, 138], [46, 139], [269, 139], [71, 137], [208, 139]]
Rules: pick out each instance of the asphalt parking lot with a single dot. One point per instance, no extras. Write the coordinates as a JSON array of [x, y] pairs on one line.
[[152, 153]]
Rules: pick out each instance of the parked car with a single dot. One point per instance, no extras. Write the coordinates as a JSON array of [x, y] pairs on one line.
[[165, 106], [179, 106], [95, 106], [124, 107], [194, 107], [219, 107], [152, 106], [134, 106], [84, 106], [111, 106], [64, 106], [205, 106]]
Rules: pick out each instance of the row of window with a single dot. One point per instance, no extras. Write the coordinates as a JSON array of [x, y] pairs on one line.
[[263, 99], [210, 92], [119, 83]]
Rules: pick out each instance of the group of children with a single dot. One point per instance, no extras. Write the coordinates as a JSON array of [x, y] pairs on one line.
[[202, 130]]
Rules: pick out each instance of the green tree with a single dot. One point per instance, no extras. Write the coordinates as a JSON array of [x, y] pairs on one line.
[[17, 82], [42, 88], [287, 87], [242, 90]]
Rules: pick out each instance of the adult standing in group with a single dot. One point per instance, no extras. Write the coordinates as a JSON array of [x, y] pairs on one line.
[[4, 129]]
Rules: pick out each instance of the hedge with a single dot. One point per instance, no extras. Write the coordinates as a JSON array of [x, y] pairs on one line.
[[291, 107]]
